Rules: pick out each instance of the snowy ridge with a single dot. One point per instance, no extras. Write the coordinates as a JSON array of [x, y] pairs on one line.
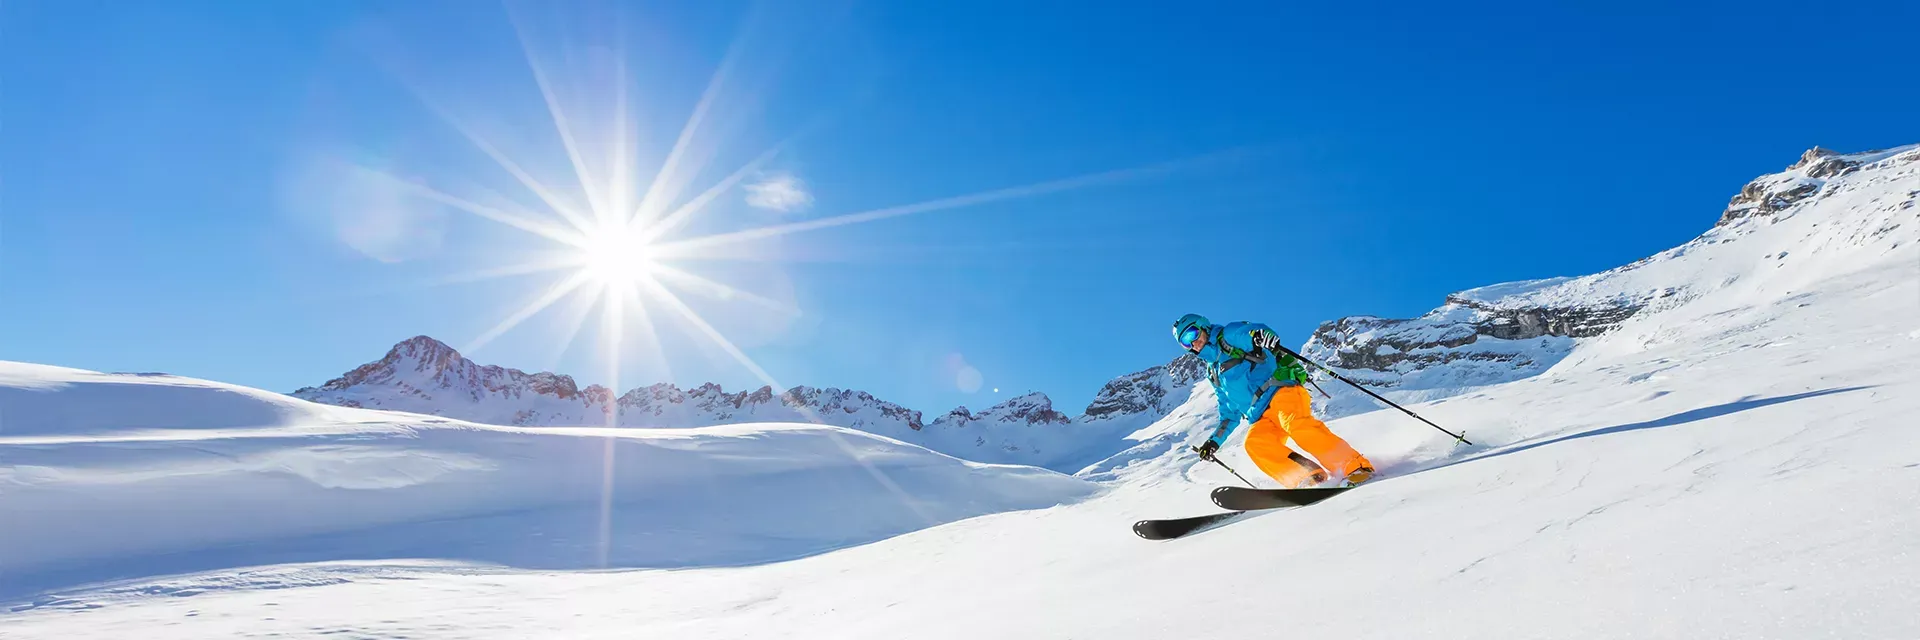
[[215, 476], [1829, 203], [423, 375], [1827, 207]]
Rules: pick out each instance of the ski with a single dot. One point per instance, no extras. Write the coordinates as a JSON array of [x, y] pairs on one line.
[[1245, 499], [1170, 529], [1239, 501]]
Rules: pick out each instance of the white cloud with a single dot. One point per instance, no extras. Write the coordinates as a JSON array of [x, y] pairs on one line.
[[779, 192]]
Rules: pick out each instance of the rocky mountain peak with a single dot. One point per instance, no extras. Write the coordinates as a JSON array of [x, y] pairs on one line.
[[1149, 391], [1032, 409], [553, 384], [419, 354], [1770, 194], [959, 416], [1821, 162]]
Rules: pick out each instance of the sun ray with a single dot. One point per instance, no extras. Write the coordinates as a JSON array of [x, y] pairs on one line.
[[538, 188], [620, 297], [682, 247], [576, 319], [560, 123], [656, 229], [667, 183], [663, 295], [392, 287], [619, 182], [614, 307], [491, 213], [720, 290], [553, 294], [648, 330], [555, 263], [686, 211]]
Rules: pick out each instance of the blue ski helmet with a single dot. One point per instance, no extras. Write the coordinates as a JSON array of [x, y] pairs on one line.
[[1188, 328]]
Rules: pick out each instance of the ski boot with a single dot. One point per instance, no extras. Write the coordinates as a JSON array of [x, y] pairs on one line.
[[1359, 475]]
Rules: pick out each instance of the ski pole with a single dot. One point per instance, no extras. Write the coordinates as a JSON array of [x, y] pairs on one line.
[[1462, 437], [1223, 465]]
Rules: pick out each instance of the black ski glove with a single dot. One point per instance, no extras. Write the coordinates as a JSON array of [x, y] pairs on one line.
[[1206, 449]]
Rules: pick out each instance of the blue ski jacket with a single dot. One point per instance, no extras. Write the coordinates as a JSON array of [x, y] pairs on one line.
[[1243, 363]]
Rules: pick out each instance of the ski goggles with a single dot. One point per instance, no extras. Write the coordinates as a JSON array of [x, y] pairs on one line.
[[1189, 335]]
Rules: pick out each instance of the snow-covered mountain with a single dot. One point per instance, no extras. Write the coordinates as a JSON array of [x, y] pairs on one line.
[[1734, 460], [1827, 213], [423, 375], [1838, 205]]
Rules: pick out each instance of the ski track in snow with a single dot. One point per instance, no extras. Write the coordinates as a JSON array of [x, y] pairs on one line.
[[1743, 465]]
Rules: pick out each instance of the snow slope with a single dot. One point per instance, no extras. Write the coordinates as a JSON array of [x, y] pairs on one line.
[[106, 475], [1685, 490], [1740, 464]]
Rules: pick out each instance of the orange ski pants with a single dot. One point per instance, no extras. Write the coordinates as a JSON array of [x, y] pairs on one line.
[[1289, 415]]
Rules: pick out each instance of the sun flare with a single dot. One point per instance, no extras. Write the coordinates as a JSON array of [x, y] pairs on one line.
[[623, 245], [617, 257]]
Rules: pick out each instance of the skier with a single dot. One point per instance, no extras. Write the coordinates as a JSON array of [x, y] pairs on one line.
[[1253, 380]]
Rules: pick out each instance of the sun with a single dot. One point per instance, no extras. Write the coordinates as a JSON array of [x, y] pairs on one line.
[[617, 256]]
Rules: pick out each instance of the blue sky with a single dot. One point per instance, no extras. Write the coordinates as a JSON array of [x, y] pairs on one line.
[[229, 190]]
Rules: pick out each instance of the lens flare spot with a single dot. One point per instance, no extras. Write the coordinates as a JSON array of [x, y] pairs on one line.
[[969, 379]]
